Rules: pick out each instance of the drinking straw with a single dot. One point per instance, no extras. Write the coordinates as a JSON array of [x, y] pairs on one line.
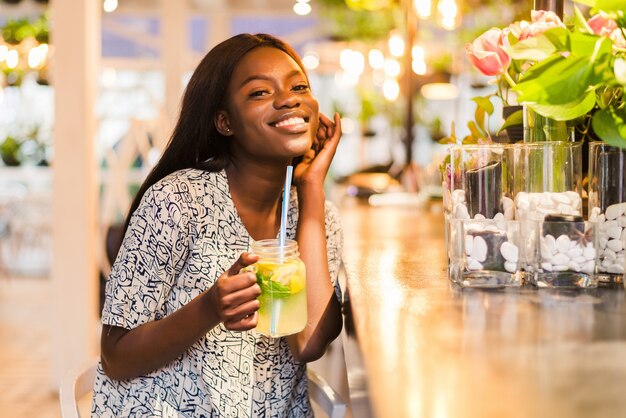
[[285, 208], [282, 235]]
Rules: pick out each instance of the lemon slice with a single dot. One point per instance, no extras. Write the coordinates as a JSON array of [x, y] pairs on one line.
[[297, 283]]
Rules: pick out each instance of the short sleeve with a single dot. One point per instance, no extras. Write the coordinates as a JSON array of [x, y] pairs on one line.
[[151, 257], [334, 244]]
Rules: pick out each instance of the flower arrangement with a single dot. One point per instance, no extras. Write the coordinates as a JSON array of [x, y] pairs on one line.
[[572, 73]]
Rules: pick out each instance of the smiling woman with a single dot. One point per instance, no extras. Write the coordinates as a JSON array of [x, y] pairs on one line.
[[181, 306]]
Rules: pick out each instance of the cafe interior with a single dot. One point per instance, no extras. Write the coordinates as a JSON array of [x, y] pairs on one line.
[[479, 178]]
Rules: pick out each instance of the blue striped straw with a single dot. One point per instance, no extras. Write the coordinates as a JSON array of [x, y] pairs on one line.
[[282, 237], [283, 213]]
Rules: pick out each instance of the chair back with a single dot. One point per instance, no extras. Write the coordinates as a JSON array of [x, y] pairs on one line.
[[76, 384], [79, 382]]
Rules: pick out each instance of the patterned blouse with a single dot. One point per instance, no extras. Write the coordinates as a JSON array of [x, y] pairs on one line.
[[183, 235]]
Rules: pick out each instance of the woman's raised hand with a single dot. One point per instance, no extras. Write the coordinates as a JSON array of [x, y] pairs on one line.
[[233, 296], [316, 161]]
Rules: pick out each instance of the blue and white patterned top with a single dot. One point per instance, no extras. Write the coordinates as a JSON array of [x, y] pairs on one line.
[[183, 235]]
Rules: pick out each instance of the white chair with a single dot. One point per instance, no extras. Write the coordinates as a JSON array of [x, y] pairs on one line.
[[79, 382]]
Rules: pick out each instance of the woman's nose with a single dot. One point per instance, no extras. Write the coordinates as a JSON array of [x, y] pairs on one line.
[[286, 99]]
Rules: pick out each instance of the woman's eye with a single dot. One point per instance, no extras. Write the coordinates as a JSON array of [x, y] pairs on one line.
[[258, 93], [301, 87]]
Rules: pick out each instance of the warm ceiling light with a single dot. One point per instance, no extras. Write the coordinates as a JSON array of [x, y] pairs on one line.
[[12, 59], [440, 91], [376, 58], [423, 8], [391, 89], [392, 68], [109, 5], [448, 12], [396, 45], [302, 9], [310, 61]]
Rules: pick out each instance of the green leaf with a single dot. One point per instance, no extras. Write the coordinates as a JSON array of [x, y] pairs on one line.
[[611, 5], [559, 81], [484, 103], [567, 111], [537, 48], [515, 118], [559, 37], [593, 46], [580, 22], [610, 125], [475, 130]]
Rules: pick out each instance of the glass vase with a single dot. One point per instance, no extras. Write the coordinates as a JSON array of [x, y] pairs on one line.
[[538, 128], [607, 207]]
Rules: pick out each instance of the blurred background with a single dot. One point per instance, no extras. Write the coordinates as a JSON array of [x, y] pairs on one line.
[[89, 91]]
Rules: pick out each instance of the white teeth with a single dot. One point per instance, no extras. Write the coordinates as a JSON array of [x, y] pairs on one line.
[[290, 121]]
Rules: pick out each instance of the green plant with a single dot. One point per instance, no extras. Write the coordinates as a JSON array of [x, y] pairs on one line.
[[574, 72]]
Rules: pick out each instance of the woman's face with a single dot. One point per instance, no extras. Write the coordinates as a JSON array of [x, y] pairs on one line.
[[271, 112]]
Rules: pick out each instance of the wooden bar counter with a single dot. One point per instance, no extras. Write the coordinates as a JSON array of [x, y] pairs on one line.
[[432, 350]]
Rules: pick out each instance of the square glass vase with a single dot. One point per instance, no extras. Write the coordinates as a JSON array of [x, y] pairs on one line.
[[561, 252], [485, 253]]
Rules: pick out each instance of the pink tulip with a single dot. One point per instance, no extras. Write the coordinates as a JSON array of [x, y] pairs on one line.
[[541, 22], [486, 53], [601, 25]]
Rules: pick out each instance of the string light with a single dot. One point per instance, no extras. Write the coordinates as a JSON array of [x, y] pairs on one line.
[[396, 45], [376, 58]]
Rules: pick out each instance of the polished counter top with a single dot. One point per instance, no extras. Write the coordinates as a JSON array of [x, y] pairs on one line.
[[433, 350]]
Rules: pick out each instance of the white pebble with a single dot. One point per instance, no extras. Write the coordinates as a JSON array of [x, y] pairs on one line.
[[473, 264], [616, 268], [460, 212], [593, 214], [479, 249], [562, 244], [458, 196], [479, 216], [580, 259], [589, 253], [622, 221], [609, 254], [550, 243], [575, 251], [560, 267], [573, 266], [507, 203], [546, 266], [615, 211], [614, 232], [560, 259], [469, 240], [602, 242], [492, 228], [546, 254], [510, 252], [510, 266], [509, 213], [588, 267], [615, 245], [561, 198]]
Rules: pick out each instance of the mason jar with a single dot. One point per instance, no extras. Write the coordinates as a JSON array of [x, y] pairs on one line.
[[281, 274]]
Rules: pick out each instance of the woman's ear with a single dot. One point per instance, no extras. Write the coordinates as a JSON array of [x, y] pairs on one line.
[[221, 123]]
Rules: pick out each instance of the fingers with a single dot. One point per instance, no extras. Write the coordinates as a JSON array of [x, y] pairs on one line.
[[244, 260]]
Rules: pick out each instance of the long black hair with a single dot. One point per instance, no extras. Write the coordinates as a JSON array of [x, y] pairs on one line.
[[195, 141]]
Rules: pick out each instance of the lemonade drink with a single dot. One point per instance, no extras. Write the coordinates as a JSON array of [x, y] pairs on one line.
[[282, 278]]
